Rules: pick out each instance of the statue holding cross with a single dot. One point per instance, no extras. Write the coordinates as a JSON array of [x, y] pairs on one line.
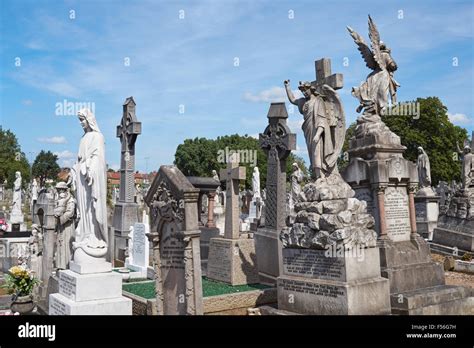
[[324, 122]]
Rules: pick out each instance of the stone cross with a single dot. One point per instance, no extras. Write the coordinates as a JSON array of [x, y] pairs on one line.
[[127, 131], [233, 174], [277, 141], [324, 76]]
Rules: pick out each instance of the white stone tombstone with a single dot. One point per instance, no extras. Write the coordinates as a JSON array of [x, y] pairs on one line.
[[140, 251]]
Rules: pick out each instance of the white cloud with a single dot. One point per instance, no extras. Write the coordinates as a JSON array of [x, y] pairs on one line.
[[114, 166], [53, 140], [459, 118], [65, 154], [271, 95], [27, 102], [67, 163]]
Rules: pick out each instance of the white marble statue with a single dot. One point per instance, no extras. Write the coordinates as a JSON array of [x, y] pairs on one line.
[[16, 205], [34, 191], [256, 183], [91, 192]]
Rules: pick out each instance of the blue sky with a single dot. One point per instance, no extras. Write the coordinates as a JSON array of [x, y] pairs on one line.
[[104, 51]]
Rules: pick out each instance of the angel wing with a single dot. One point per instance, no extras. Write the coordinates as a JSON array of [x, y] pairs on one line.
[[375, 44], [364, 49]]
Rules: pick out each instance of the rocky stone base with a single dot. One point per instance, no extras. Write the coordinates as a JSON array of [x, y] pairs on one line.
[[233, 261]]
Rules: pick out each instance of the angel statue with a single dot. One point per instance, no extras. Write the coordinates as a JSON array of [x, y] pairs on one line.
[[373, 93], [323, 127]]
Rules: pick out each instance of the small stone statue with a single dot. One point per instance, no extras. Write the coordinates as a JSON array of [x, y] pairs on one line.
[[297, 177], [467, 166], [424, 168], [64, 211], [16, 206]]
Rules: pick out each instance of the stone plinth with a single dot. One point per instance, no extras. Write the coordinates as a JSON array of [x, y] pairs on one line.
[[380, 175], [455, 232], [89, 294], [232, 261], [317, 284], [427, 212]]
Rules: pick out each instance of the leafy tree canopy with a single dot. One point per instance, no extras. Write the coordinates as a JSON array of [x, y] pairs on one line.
[[433, 131], [199, 156], [12, 159], [46, 166]]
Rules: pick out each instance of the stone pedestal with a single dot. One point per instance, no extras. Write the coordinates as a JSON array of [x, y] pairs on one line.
[[380, 175], [427, 212], [89, 294], [232, 261], [455, 233], [206, 234], [348, 284], [269, 259], [125, 215]]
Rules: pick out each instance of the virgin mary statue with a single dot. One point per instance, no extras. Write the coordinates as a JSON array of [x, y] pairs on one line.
[[91, 192]]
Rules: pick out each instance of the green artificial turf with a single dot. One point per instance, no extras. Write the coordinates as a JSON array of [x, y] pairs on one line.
[[142, 289], [146, 289]]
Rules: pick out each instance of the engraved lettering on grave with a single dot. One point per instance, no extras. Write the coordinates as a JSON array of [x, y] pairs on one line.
[[397, 213]]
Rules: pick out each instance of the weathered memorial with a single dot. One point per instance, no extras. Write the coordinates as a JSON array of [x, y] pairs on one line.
[[90, 287], [426, 200], [207, 187], [232, 257], [387, 182], [455, 228], [175, 242], [330, 258], [277, 142], [126, 209]]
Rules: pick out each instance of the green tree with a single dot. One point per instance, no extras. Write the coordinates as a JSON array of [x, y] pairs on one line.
[[46, 166], [434, 132], [199, 156], [12, 159]]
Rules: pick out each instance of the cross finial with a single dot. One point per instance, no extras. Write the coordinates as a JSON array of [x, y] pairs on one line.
[[324, 76]]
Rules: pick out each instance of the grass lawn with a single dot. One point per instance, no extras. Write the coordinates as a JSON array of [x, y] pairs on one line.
[[146, 289]]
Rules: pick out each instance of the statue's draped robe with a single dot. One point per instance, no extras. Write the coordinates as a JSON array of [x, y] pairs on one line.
[[17, 196], [91, 199], [424, 170], [296, 178], [315, 117]]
